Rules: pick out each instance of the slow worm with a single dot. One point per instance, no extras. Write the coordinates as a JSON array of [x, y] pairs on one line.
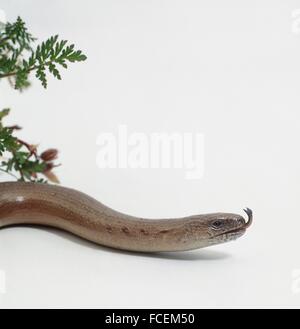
[[75, 212]]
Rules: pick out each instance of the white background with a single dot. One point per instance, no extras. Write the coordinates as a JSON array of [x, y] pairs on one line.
[[229, 70]]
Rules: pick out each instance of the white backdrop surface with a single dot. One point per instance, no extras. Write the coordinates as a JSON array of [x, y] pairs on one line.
[[229, 70]]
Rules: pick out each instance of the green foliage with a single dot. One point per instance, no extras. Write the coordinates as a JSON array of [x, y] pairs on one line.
[[16, 43], [18, 59], [18, 158], [16, 36]]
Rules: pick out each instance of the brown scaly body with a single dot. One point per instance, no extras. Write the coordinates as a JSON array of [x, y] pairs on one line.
[[75, 212]]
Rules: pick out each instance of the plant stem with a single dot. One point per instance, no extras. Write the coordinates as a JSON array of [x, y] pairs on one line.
[[29, 147], [10, 74], [4, 39], [8, 173]]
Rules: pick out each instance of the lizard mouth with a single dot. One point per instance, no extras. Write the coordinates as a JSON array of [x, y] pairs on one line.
[[234, 232]]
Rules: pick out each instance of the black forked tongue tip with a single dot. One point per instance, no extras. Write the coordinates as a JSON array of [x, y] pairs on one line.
[[250, 217]]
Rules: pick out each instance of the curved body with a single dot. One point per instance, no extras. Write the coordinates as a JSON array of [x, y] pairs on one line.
[[75, 212]]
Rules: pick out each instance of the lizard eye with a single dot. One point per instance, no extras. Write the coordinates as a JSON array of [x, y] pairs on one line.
[[217, 224]]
